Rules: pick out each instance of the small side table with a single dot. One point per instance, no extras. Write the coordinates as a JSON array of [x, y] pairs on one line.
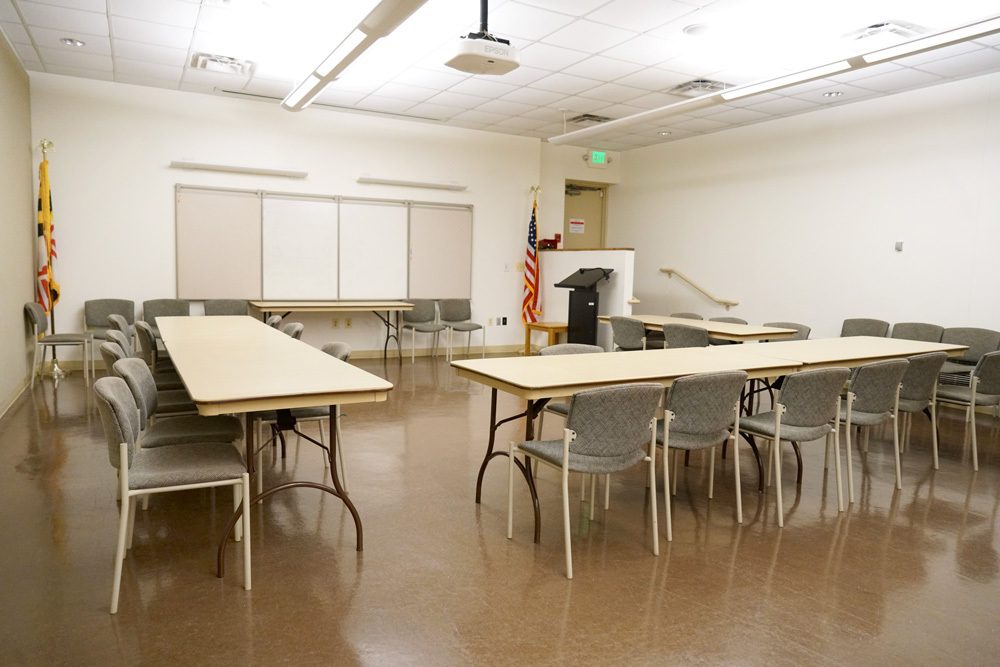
[[553, 329]]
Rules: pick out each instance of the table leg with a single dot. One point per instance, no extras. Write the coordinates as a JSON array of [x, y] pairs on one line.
[[527, 341], [553, 337]]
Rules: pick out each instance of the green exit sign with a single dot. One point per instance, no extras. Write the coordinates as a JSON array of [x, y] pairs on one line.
[[598, 159]]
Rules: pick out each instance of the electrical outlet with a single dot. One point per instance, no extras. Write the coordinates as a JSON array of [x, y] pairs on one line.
[[347, 322], [499, 321], [336, 323], [489, 322]]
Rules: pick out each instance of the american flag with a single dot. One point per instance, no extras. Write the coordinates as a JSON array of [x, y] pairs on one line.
[[529, 307], [47, 289]]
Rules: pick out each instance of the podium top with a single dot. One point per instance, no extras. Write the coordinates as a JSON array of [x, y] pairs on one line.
[[585, 278]]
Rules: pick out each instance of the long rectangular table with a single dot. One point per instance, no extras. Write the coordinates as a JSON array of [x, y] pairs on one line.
[[716, 330], [239, 364], [538, 379], [376, 307]]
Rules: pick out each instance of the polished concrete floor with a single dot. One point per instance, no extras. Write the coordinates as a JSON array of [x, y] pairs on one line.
[[902, 577]]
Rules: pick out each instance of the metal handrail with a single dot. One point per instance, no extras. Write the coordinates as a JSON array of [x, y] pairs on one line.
[[725, 302]]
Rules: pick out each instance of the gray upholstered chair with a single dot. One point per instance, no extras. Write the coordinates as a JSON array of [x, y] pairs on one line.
[[608, 430], [226, 307], [145, 471], [801, 331], [805, 408], [726, 320], [40, 325], [687, 316], [164, 380], [149, 350], [169, 402], [456, 315], [274, 321], [110, 353], [163, 308], [979, 342], [628, 333], [96, 311], [918, 394], [422, 319], [862, 326], [319, 413], [294, 329], [179, 429], [930, 333], [983, 389], [872, 399], [681, 335], [700, 412]]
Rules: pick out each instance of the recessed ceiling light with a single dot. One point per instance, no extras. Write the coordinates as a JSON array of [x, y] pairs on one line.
[[664, 134], [833, 93], [696, 29], [69, 41]]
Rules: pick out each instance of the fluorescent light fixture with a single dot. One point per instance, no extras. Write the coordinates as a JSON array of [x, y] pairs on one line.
[[411, 184], [781, 82], [259, 171], [945, 38], [380, 21]]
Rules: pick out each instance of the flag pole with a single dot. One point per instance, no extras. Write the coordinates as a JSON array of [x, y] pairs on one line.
[[46, 145]]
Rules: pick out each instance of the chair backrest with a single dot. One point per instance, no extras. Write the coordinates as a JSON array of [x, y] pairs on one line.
[[39, 320], [917, 331], [455, 310], [688, 316], [423, 311], [861, 326], [226, 307], [118, 416], [139, 380], [111, 352], [147, 342], [728, 320], [569, 348], [119, 323], [121, 340], [681, 335], [164, 308], [96, 311], [875, 385], [293, 329], [274, 321], [613, 421], [801, 331], [979, 341], [627, 332], [921, 376], [988, 372], [341, 351], [810, 397], [703, 403]]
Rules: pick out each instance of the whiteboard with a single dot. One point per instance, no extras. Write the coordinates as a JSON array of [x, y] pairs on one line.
[[440, 252], [300, 248], [373, 250], [218, 244]]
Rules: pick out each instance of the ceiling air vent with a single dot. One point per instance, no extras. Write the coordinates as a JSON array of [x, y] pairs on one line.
[[221, 64], [903, 29], [697, 87], [586, 118]]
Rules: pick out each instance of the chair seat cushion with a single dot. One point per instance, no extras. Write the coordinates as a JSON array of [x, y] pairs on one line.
[[956, 367], [558, 408], [427, 327], [167, 381], [911, 405], [173, 401], [185, 464], [192, 428], [690, 441], [463, 326], [65, 339], [552, 450], [762, 424], [859, 418], [949, 392]]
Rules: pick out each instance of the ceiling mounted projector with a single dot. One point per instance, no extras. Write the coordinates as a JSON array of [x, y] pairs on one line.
[[482, 53]]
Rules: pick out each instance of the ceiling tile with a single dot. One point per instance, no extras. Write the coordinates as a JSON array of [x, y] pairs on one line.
[[899, 80], [146, 69], [967, 64], [738, 116], [388, 104], [654, 78], [480, 117], [521, 123], [783, 105], [532, 96], [47, 38], [505, 107], [644, 50], [434, 111], [214, 79], [581, 7], [564, 83], [67, 58], [639, 15], [404, 92], [85, 5], [656, 100], [816, 93], [169, 12], [522, 76], [938, 54], [551, 58], [74, 21], [160, 55], [8, 13], [151, 33], [515, 20], [353, 84], [546, 114], [26, 52], [429, 78], [605, 69], [335, 97], [612, 92], [33, 65], [575, 105], [15, 33], [482, 87], [450, 99], [701, 125], [76, 71], [588, 35], [619, 111], [270, 88], [146, 81]]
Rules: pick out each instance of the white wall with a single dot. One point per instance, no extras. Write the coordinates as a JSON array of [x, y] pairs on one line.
[[797, 218], [114, 191], [563, 163], [17, 224]]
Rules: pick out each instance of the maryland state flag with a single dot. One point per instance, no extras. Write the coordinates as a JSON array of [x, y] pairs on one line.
[[47, 288]]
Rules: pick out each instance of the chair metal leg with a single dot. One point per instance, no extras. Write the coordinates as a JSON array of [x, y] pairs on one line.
[[711, 472], [593, 495], [245, 486], [120, 550], [566, 532], [237, 499], [895, 448], [666, 493], [932, 413], [777, 480], [836, 453], [850, 465], [607, 492]]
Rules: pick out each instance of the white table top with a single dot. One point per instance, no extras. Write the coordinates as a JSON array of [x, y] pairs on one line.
[[851, 351], [330, 306], [238, 364], [716, 330]]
